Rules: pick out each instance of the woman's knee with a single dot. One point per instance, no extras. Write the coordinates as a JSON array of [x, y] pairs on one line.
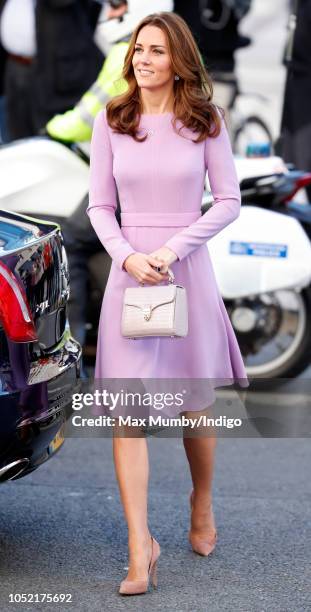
[[127, 431]]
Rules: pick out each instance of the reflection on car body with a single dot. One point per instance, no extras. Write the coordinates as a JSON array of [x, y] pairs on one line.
[[39, 359]]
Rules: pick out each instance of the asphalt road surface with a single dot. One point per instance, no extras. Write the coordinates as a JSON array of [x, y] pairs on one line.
[[62, 530]]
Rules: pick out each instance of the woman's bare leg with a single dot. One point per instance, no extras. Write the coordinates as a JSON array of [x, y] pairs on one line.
[[132, 470], [200, 447]]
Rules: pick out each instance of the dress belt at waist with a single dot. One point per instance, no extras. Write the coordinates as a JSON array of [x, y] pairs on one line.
[[159, 219]]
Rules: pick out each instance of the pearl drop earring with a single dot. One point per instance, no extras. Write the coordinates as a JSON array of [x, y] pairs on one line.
[[177, 77]]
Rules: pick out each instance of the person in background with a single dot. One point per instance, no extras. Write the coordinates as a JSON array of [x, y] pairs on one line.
[[76, 124], [294, 144], [51, 58]]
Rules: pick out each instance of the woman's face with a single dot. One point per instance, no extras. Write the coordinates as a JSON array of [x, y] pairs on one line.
[[151, 61]]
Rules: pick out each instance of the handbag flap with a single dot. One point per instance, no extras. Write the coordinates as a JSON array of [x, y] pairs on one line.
[[149, 296]]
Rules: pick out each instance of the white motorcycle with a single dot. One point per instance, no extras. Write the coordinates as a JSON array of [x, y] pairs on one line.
[[262, 260]]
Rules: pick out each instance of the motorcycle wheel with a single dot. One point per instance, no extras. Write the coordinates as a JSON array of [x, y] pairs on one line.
[[252, 130], [277, 344]]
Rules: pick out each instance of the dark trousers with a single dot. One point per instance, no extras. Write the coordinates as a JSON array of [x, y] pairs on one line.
[[79, 251], [296, 122], [81, 244], [23, 119]]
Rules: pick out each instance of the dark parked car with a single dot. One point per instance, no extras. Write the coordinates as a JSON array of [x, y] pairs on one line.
[[39, 359]]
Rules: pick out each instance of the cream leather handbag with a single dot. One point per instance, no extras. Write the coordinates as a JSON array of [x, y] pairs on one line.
[[158, 310]]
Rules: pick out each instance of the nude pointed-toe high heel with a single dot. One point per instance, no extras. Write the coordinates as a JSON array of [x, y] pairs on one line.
[[199, 545], [136, 587]]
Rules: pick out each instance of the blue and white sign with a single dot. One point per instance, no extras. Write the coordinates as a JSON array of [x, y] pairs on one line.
[[258, 249]]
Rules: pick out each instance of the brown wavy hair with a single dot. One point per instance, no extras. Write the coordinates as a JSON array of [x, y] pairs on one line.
[[193, 91]]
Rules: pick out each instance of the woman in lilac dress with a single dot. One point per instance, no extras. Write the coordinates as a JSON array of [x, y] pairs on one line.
[[155, 143]]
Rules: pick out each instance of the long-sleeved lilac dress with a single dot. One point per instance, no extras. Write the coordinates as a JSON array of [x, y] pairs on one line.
[[160, 184]]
